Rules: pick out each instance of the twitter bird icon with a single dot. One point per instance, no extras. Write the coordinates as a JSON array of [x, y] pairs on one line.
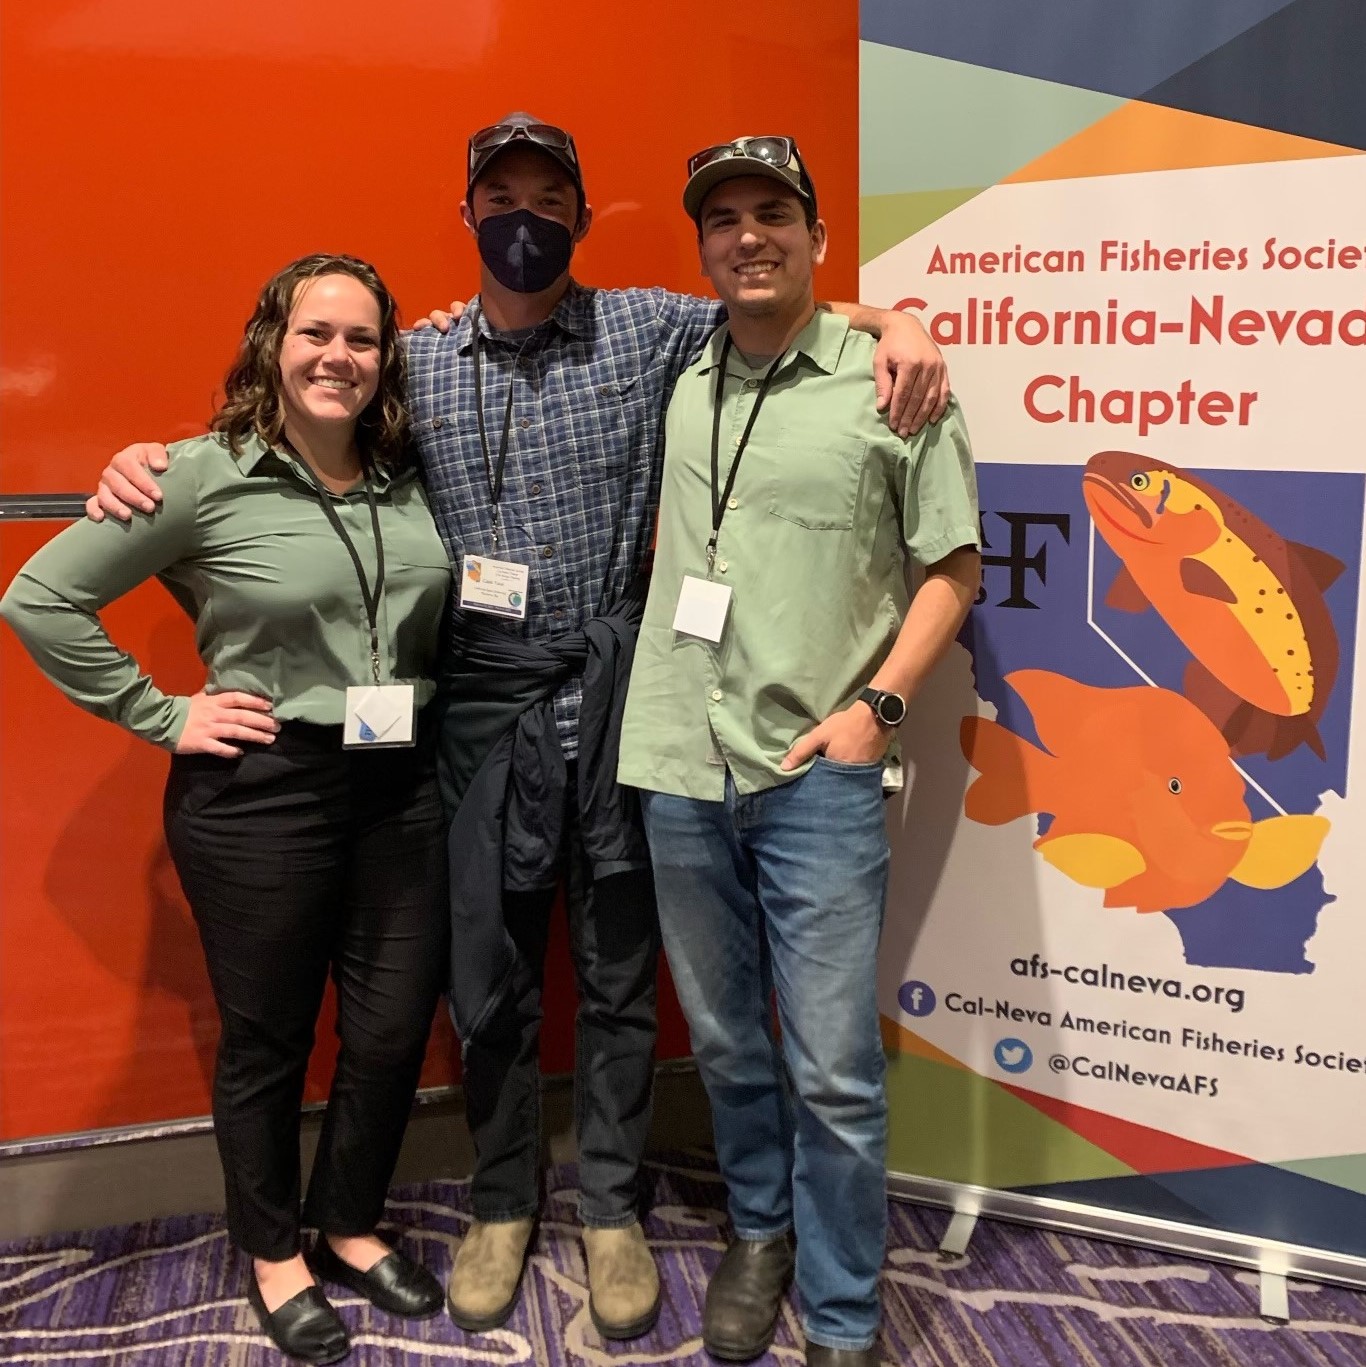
[[1013, 1055]]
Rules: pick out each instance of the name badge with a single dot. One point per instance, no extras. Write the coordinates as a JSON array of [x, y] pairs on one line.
[[702, 608], [378, 716], [496, 586]]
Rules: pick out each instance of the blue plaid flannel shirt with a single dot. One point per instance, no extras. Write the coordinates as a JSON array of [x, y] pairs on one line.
[[581, 485]]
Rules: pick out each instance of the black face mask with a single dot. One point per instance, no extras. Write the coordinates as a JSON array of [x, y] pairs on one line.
[[525, 252]]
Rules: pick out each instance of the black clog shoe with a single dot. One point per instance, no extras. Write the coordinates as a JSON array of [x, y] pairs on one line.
[[396, 1283]]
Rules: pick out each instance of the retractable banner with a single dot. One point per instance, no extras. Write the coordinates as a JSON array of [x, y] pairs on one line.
[[1123, 957]]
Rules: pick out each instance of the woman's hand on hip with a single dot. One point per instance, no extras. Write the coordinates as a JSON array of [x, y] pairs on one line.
[[217, 719]]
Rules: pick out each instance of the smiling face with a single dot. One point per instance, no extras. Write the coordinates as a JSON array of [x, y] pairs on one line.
[[756, 248], [330, 352]]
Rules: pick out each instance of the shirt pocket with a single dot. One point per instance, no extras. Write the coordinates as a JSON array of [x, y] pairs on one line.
[[611, 441], [815, 482]]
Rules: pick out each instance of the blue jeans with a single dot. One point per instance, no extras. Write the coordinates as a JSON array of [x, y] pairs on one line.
[[782, 892]]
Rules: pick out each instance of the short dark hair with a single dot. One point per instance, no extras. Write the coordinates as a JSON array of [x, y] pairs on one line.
[[253, 401]]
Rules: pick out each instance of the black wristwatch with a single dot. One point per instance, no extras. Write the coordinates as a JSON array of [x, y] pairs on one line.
[[888, 708]]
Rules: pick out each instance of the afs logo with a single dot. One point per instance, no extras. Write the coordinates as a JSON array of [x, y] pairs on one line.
[[1013, 1055]]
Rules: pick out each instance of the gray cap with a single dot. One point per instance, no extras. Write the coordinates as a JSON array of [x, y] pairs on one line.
[[755, 156]]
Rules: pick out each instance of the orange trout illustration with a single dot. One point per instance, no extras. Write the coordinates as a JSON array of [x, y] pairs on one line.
[[1246, 603], [1145, 799]]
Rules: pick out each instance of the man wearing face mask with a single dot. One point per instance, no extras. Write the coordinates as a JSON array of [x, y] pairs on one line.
[[538, 418], [554, 475]]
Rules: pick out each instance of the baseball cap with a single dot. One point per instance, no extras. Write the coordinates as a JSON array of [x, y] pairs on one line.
[[519, 126], [773, 156]]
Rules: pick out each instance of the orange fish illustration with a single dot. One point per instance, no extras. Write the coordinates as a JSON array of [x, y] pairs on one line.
[[1246, 603], [1145, 799]]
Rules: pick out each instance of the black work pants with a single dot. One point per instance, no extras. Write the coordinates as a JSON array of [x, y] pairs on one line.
[[297, 859], [614, 946]]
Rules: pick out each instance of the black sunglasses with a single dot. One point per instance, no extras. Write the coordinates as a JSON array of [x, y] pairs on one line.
[[778, 152], [500, 134]]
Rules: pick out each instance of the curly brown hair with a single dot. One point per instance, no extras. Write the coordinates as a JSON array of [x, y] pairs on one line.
[[252, 398]]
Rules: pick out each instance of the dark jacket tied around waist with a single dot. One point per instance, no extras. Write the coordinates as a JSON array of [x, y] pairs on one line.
[[503, 776]]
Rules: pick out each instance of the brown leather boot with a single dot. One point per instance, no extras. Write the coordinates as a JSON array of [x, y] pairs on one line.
[[488, 1273], [623, 1282]]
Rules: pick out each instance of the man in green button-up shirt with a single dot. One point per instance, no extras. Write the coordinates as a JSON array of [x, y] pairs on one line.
[[777, 653]]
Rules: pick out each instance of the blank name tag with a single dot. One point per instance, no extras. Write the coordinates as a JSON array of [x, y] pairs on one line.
[[496, 586], [378, 715], [702, 608]]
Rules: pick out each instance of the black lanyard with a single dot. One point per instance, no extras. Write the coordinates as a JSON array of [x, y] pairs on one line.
[[371, 598], [720, 497], [494, 474]]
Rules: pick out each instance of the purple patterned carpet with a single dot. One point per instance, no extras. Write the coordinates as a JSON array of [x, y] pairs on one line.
[[168, 1293]]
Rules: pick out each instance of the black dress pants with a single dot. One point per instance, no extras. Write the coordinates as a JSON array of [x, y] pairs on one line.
[[297, 859]]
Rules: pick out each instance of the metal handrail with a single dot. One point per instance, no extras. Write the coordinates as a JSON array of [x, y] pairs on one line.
[[41, 507]]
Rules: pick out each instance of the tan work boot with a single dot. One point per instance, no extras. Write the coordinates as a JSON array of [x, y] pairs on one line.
[[487, 1273], [623, 1282]]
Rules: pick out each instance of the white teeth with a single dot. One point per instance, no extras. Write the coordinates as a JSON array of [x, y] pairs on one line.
[[334, 384], [757, 267]]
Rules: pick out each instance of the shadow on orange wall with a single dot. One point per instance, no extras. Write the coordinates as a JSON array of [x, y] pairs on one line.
[[158, 162]]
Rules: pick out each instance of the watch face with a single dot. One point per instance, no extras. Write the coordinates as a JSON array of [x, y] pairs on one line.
[[891, 709]]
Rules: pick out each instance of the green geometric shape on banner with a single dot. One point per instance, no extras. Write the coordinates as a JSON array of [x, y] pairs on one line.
[[885, 220], [1348, 1170], [955, 1125], [927, 123]]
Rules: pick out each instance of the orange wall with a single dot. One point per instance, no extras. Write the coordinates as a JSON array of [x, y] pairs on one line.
[[159, 159]]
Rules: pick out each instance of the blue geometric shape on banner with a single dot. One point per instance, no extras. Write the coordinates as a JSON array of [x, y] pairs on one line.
[[1262, 1201], [1139, 1195], [1122, 49], [1273, 937], [1300, 71], [1276, 1204]]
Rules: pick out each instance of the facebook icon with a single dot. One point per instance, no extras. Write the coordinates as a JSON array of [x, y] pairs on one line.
[[917, 999]]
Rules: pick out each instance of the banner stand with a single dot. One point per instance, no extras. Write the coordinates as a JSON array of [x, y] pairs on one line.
[[1120, 969], [1269, 1257]]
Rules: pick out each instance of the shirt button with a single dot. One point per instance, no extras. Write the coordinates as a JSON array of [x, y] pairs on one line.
[[716, 695], [604, 390], [523, 423], [721, 565], [735, 441], [547, 551], [437, 423], [751, 384], [536, 488], [559, 612], [734, 503]]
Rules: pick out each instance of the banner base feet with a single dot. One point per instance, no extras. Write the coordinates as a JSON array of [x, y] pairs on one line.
[[958, 1235], [1275, 1297]]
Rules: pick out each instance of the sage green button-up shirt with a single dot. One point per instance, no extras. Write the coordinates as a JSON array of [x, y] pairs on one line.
[[827, 505], [243, 545]]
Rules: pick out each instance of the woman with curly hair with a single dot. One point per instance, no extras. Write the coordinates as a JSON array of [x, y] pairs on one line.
[[301, 810]]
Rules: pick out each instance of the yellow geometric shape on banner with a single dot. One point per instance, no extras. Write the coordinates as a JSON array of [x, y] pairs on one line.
[[1151, 137], [948, 1122], [885, 220]]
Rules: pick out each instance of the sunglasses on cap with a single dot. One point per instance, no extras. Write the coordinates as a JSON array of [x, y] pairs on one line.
[[555, 141], [779, 153], [772, 156]]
